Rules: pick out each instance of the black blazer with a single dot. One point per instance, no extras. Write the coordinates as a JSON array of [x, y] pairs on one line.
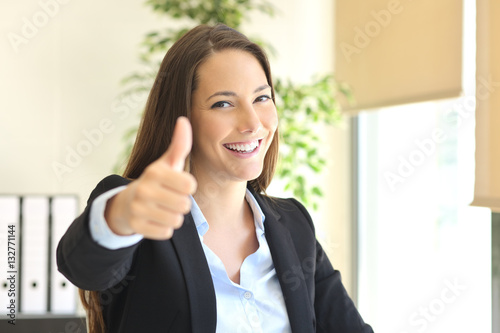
[[166, 286]]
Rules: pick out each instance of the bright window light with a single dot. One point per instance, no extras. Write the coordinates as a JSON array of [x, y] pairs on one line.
[[424, 253]]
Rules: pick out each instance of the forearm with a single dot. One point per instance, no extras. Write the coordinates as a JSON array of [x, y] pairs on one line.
[[91, 258], [87, 264]]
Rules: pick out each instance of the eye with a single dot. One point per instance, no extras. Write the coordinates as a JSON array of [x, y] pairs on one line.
[[221, 104], [262, 98]]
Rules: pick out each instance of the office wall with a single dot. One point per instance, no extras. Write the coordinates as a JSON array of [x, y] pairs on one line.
[[61, 124]]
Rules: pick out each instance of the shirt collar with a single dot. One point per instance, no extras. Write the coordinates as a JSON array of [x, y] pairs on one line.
[[202, 225]]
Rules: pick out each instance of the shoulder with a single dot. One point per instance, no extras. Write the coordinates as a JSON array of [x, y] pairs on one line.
[[284, 205], [289, 211]]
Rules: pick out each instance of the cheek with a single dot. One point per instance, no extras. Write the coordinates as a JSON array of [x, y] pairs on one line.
[[199, 137], [206, 135], [270, 119]]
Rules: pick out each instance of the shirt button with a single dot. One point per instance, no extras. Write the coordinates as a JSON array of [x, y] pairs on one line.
[[247, 295]]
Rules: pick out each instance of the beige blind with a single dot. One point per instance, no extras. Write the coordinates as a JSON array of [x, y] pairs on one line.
[[394, 52], [487, 186]]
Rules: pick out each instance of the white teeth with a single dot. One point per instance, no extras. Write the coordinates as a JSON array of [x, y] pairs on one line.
[[245, 148]]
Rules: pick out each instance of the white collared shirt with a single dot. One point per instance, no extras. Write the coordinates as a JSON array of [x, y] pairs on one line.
[[254, 305]]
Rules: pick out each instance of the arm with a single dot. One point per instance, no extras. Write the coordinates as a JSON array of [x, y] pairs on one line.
[[99, 228], [152, 206], [335, 311], [82, 260]]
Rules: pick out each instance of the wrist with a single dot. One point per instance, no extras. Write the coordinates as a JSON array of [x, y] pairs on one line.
[[117, 224]]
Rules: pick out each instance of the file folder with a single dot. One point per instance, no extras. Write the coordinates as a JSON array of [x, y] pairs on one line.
[[62, 292], [9, 215], [34, 254]]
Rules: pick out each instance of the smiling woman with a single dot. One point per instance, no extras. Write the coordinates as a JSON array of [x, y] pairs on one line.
[[235, 126], [190, 222]]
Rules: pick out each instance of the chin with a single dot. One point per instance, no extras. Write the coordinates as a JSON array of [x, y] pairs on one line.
[[250, 175]]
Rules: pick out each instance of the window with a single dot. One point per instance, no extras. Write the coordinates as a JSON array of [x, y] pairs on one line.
[[424, 253]]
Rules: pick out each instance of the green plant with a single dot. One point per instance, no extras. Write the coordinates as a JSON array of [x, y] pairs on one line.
[[300, 107]]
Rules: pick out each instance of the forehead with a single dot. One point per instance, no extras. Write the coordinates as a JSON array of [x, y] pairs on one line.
[[228, 68]]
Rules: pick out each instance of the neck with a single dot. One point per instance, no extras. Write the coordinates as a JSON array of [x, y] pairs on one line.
[[222, 204]]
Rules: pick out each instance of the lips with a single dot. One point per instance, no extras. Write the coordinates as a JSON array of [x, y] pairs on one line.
[[243, 147]]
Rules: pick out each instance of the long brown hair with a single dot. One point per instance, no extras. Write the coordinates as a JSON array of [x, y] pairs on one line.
[[171, 94], [170, 98]]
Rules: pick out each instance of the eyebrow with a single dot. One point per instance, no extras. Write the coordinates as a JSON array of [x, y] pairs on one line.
[[232, 93]]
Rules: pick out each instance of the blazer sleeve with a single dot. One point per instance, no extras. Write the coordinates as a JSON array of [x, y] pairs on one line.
[[84, 262], [334, 309]]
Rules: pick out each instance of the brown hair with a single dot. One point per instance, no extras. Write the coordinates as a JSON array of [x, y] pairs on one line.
[[170, 98], [171, 94]]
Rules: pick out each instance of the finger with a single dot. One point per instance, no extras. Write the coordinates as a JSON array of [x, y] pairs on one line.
[[156, 231], [160, 175], [180, 146], [180, 182], [172, 201], [164, 218], [150, 205], [164, 207]]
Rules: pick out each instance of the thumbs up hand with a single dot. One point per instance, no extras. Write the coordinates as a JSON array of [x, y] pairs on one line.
[[180, 147], [154, 205]]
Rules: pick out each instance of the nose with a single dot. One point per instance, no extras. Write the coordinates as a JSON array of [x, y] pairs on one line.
[[248, 119]]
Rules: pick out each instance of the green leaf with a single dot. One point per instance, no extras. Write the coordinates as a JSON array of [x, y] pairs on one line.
[[317, 191]]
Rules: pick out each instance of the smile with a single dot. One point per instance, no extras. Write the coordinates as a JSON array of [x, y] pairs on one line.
[[245, 148]]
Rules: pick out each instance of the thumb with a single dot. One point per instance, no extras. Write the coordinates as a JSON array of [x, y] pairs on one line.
[[180, 146]]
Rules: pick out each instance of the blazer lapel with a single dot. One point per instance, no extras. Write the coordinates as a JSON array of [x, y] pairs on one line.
[[197, 275], [289, 271]]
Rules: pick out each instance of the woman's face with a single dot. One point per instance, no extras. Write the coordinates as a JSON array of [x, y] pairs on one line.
[[233, 117]]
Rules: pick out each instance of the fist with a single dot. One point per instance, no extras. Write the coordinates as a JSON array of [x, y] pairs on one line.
[[154, 205]]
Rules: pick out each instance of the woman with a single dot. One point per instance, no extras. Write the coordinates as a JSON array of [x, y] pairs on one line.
[[187, 241]]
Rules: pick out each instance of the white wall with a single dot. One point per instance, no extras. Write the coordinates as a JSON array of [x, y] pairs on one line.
[[61, 81]]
